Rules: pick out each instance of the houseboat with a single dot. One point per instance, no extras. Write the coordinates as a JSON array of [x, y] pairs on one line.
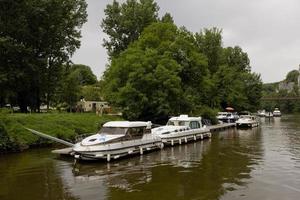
[[182, 129], [227, 117], [117, 139], [261, 113], [247, 121], [276, 112]]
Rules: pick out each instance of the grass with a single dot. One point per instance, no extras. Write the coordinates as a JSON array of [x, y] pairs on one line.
[[13, 136]]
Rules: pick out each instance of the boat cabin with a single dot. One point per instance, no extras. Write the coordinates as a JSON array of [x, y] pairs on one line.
[[131, 130], [185, 120]]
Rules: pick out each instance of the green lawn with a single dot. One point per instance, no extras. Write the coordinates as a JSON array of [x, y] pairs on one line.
[[13, 136]]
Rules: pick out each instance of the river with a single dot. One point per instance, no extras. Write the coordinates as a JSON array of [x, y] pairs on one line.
[[258, 163]]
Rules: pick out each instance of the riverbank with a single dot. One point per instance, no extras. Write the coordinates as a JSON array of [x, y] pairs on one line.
[[14, 138]]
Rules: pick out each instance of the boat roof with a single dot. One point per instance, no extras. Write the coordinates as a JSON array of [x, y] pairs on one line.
[[222, 113], [184, 118], [127, 124]]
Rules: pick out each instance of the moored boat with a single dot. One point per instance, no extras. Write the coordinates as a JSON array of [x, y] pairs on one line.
[[276, 112], [182, 129], [261, 113], [117, 139], [247, 121], [269, 115], [227, 117]]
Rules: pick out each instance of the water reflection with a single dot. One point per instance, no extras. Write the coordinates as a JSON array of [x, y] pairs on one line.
[[31, 175]]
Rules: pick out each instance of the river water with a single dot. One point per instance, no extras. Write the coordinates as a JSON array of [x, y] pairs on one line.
[[259, 163]]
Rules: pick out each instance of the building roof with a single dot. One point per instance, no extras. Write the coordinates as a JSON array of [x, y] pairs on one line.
[[127, 124]]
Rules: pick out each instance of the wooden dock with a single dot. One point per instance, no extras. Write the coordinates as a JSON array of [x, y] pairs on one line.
[[220, 127]]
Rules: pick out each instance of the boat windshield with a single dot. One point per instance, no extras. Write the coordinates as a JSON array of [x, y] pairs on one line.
[[177, 123], [114, 130]]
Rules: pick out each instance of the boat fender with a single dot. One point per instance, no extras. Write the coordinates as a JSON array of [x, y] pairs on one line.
[[108, 157], [172, 142], [179, 141], [195, 138], [141, 150], [185, 139], [201, 136]]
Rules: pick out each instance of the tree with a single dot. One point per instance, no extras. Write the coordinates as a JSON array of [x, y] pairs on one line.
[[36, 38], [85, 74], [70, 91], [167, 18], [159, 75], [124, 23], [292, 76], [91, 93], [235, 57], [209, 42]]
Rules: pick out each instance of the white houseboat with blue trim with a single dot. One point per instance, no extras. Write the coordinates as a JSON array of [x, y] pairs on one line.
[[182, 129], [117, 139]]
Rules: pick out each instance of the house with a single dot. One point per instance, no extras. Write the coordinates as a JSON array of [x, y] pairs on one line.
[[92, 106]]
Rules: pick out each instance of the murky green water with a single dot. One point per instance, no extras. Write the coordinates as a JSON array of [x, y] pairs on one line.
[[262, 163]]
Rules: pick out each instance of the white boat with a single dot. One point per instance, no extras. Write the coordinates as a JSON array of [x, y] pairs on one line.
[[269, 114], [182, 129], [276, 112], [227, 117], [261, 113], [117, 139], [247, 121]]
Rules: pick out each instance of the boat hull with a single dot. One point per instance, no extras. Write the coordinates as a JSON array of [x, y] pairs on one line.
[[247, 125], [117, 150], [185, 137]]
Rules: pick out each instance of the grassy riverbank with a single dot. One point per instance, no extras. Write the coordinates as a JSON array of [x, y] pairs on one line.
[[13, 136]]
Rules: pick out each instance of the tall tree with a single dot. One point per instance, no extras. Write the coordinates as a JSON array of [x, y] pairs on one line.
[[235, 57], [125, 22], [36, 37], [85, 74], [159, 75], [209, 42]]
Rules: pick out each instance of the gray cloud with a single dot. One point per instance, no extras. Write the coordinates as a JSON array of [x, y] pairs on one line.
[[268, 30]]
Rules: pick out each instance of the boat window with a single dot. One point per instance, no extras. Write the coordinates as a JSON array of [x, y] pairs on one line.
[[170, 123], [194, 125], [114, 130], [181, 123], [136, 132]]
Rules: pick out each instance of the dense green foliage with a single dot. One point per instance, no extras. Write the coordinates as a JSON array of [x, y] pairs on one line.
[[124, 23], [13, 136], [36, 38], [169, 71]]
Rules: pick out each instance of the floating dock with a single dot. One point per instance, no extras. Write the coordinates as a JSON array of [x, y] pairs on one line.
[[220, 127]]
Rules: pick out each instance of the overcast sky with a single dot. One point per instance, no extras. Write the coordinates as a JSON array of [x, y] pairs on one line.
[[268, 30]]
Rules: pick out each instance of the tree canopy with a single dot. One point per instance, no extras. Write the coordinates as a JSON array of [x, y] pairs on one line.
[[168, 71], [124, 23], [36, 38]]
